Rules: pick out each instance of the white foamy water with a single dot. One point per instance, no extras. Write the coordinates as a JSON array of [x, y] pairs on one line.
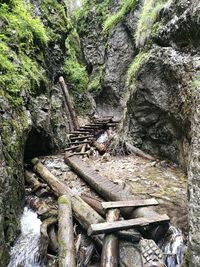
[[25, 252], [173, 248]]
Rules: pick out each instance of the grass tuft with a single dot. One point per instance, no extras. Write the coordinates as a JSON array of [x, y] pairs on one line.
[[148, 17], [113, 20]]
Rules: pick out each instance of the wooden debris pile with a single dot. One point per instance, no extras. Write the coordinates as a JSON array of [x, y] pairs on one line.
[[121, 217], [94, 136]]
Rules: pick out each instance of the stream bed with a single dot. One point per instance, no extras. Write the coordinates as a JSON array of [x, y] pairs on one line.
[[26, 250]]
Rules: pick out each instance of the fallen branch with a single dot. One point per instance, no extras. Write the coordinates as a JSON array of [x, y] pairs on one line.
[[109, 255], [134, 150], [66, 250]]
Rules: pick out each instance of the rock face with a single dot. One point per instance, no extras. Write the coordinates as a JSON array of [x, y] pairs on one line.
[[158, 109], [37, 127], [157, 103]]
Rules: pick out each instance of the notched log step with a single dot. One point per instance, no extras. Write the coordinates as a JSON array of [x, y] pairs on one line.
[[88, 137], [80, 142], [106, 227]]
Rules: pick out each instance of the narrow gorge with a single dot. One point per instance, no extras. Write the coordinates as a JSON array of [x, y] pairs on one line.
[[100, 102]]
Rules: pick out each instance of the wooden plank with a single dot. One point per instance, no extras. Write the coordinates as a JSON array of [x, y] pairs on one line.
[[72, 148], [130, 203], [80, 142], [79, 132], [107, 227], [82, 137], [86, 130]]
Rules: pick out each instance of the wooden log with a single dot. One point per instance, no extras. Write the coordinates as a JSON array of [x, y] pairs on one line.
[[79, 132], [83, 149], [113, 192], [44, 234], [32, 181], [79, 154], [130, 203], [79, 142], [109, 255], [88, 137], [126, 224], [95, 204], [72, 148], [130, 235], [69, 103], [84, 214], [53, 239], [86, 130], [66, 249], [134, 150]]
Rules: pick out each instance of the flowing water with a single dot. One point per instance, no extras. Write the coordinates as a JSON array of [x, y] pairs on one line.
[[25, 252], [173, 248]]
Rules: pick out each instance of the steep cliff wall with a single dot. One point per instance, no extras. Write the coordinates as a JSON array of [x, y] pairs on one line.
[[141, 59], [143, 64], [34, 50]]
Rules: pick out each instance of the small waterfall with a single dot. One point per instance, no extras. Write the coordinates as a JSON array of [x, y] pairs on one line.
[[173, 248], [25, 252]]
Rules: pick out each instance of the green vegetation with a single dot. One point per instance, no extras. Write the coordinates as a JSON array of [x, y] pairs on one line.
[[137, 62], [21, 36], [55, 14], [74, 69], [82, 16], [23, 41], [126, 6], [196, 81], [95, 82], [150, 11]]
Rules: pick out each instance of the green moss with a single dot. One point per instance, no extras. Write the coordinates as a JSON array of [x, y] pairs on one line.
[[137, 62], [82, 16], [113, 20], [95, 82], [74, 68], [64, 200], [150, 11], [55, 15], [22, 36], [196, 81]]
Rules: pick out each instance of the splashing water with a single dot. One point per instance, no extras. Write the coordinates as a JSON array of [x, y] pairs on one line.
[[173, 248], [26, 249]]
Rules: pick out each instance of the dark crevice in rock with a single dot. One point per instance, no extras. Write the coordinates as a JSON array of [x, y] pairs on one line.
[[37, 144]]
